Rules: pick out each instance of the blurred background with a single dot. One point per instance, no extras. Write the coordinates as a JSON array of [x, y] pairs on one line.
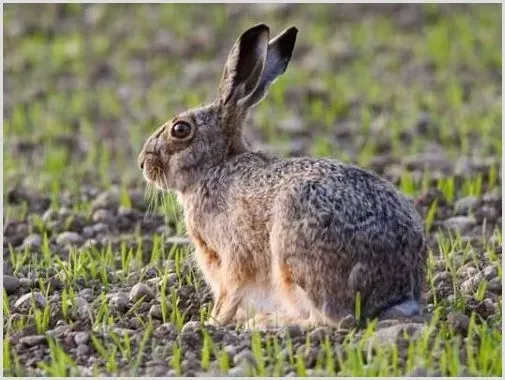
[[401, 89]]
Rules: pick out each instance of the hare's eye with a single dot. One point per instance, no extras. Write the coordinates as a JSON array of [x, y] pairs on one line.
[[181, 130]]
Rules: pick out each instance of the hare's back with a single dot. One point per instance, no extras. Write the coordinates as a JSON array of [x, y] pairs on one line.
[[350, 203]]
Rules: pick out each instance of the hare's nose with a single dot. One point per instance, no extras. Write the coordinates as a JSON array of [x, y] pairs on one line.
[[142, 165]]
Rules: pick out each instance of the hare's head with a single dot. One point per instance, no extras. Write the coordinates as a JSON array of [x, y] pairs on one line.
[[186, 146]]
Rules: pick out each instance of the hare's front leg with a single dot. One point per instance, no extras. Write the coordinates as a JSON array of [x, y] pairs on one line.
[[225, 306]]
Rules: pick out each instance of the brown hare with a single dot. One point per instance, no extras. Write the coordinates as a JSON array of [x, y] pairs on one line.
[[301, 240]]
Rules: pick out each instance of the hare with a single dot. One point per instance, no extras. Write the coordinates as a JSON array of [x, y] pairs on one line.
[[298, 240]]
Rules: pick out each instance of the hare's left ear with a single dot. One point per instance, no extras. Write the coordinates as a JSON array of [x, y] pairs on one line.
[[244, 66], [280, 50]]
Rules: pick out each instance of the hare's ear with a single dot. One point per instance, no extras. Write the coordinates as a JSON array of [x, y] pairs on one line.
[[244, 65], [280, 50]]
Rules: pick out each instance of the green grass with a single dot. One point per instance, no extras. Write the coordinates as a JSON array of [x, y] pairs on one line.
[[106, 87]]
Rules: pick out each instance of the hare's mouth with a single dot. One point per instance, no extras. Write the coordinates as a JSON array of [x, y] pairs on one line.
[[153, 171]]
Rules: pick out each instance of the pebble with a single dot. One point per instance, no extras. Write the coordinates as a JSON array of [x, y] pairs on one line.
[[69, 237], [49, 216], [465, 205], [178, 241], [119, 302], [460, 224], [11, 284], [33, 241], [459, 322], [469, 286], [82, 350], [441, 277], [244, 357], [26, 300], [155, 312], [107, 200], [81, 337], [84, 309], [104, 216], [490, 272], [190, 327], [141, 290], [87, 294], [88, 232], [486, 308], [319, 334], [389, 335], [494, 285], [33, 340]]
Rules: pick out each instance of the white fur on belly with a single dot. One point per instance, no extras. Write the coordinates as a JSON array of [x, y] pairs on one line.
[[260, 300]]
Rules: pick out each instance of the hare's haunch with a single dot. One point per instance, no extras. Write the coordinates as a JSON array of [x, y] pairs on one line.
[[298, 240]]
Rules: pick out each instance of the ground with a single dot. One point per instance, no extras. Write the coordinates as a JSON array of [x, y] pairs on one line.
[[98, 278]]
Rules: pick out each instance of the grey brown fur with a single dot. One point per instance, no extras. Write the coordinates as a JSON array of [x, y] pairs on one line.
[[293, 239]]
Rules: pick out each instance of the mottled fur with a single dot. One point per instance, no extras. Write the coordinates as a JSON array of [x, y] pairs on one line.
[[297, 237]]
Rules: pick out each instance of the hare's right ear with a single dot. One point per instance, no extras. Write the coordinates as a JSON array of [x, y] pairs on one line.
[[244, 66]]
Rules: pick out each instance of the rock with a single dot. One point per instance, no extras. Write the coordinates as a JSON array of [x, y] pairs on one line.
[[389, 335], [33, 340], [318, 334], [69, 237], [490, 272], [292, 331], [432, 161], [119, 302], [88, 232], [84, 310], [81, 337], [179, 241], [33, 241], [11, 284], [238, 371], [156, 370], [165, 330], [104, 216], [190, 327], [245, 357], [494, 285], [461, 224], [106, 200], [137, 199], [466, 205], [470, 285], [486, 308], [155, 312], [87, 294], [441, 277], [26, 300], [141, 290], [49, 215], [459, 322], [82, 350]]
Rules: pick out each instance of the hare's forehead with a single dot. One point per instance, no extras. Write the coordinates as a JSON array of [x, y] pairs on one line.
[[202, 116]]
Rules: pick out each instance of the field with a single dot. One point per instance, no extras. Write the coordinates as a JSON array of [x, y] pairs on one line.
[[97, 272]]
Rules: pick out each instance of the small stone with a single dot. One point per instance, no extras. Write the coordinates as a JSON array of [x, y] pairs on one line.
[[157, 370], [292, 331], [389, 335], [100, 228], [68, 237], [87, 294], [490, 272], [33, 241], [441, 277], [141, 290], [466, 205], [190, 327], [82, 350], [164, 330], [82, 337], [104, 216], [178, 241], [318, 334], [49, 215], [494, 285], [486, 308], [459, 322], [244, 357], [470, 285], [27, 299], [106, 200], [11, 284], [238, 371], [461, 224], [84, 310], [155, 312], [88, 232], [33, 340], [119, 302]]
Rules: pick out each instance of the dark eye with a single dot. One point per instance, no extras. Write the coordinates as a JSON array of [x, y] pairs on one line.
[[181, 130]]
